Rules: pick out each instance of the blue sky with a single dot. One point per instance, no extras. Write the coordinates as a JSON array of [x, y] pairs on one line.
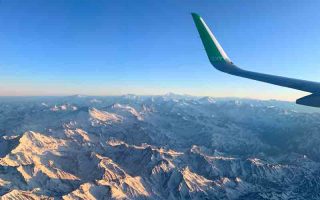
[[63, 47]]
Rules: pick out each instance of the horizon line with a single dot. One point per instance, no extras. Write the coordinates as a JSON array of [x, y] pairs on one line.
[[146, 95]]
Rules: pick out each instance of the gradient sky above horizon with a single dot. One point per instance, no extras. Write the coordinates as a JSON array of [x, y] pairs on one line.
[[65, 47]]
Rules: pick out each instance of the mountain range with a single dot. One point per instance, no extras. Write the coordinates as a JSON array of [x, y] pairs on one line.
[[157, 147]]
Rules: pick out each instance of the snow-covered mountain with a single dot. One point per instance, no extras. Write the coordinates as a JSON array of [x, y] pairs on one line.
[[157, 147]]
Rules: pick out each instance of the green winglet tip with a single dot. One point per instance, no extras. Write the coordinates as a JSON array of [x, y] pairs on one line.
[[213, 49]]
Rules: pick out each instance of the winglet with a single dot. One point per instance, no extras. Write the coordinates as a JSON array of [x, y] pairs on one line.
[[215, 53]]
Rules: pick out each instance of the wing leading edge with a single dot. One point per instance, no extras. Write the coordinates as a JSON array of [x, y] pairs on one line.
[[221, 61]]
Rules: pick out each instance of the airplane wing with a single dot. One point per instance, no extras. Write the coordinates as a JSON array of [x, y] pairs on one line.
[[222, 62]]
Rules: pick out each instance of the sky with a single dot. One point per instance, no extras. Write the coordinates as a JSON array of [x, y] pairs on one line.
[[148, 47]]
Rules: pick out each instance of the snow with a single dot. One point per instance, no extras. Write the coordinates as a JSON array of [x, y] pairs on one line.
[[159, 147], [104, 116]]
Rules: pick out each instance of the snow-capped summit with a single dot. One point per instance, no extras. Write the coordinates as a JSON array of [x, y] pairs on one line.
[[104, 116], [126, 109], [63, 107]]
